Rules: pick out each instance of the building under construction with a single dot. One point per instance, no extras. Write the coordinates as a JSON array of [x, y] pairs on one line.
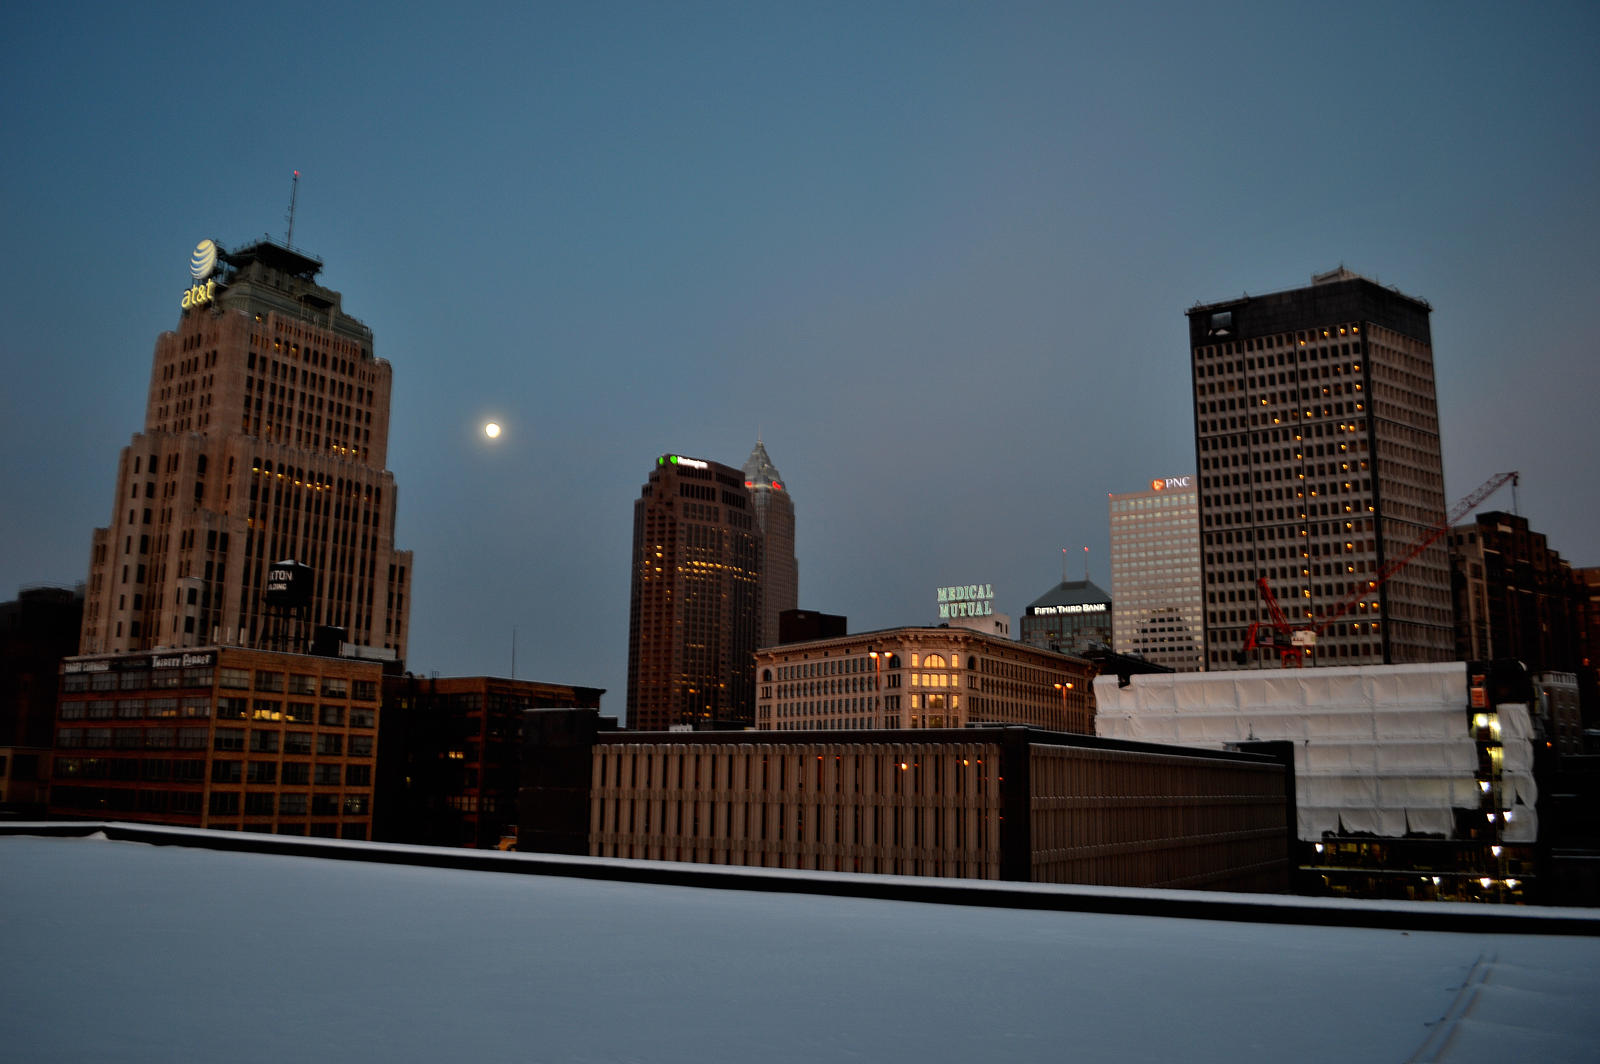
[[1411, 781]]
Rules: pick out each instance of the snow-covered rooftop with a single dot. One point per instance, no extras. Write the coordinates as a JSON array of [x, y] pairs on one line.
[[126, 951]]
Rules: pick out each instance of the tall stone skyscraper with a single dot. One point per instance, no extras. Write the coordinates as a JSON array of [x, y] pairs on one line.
[[695, 609], [780, 571], [1317, 435], [265, 439]]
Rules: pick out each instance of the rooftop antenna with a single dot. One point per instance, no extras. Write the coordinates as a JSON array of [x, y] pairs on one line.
[[1086, 565], [294, 193], [1063, 565]]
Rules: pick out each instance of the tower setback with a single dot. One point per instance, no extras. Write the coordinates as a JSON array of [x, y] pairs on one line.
[[265, 440], [780, 571]]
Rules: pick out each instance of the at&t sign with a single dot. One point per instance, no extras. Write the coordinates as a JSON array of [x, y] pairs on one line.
[[202, 264]]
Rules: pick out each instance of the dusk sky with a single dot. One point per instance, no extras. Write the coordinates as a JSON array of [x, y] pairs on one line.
[[936, 255]]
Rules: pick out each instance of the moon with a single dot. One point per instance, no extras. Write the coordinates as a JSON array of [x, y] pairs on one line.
[[492, 430]]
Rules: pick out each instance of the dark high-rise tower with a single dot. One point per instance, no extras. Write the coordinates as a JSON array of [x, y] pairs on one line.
[[1317, 435], [695, 609], [780, 571], [265, 438], [1514, 596]]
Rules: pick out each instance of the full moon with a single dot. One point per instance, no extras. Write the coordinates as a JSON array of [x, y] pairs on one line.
[[491, 430]]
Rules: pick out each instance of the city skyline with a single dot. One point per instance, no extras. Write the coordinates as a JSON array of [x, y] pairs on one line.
[[893, 247]]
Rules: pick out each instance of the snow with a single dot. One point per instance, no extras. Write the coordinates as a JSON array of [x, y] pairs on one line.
[[132, 952]]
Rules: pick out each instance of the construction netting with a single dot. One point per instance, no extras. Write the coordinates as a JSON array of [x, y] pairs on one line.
[[1389, 750]]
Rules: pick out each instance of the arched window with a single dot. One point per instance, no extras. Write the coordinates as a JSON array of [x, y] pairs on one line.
[[766, 675], [934, 661]]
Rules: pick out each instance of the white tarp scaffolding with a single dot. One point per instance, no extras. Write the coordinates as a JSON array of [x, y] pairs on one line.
[[1381, 749]]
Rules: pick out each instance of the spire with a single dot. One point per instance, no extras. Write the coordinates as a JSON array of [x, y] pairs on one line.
[[759, 472]]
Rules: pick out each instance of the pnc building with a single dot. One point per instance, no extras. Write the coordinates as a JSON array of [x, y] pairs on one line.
[[1317, 435], [265, 439], [694, 616], [1156, 584]]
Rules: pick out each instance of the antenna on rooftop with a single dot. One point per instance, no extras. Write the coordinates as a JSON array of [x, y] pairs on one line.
[[294, 193]]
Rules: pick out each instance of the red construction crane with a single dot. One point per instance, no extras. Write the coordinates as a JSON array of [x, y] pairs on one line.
[[1294, 641]]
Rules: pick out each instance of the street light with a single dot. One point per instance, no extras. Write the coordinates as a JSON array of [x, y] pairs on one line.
[[1064, 688], [877, 688]]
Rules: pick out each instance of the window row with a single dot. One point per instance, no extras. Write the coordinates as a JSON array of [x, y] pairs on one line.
[[331, 716], [225, 739], [298, 684]]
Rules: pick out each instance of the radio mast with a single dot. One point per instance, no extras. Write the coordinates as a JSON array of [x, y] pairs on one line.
[[294, 192]]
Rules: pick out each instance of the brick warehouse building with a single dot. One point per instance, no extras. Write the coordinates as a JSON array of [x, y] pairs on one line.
[[219, 737], [37, 630], [450, 756], [1008, 803]]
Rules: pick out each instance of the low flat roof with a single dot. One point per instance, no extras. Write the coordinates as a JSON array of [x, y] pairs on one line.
[[130, 951]]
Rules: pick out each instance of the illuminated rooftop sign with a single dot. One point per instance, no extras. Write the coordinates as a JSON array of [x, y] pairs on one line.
[[1084, 607], [199, 295], [202, 264], [204, 260], [1169, 483], [966, 600], [678, 459], [129, 662]]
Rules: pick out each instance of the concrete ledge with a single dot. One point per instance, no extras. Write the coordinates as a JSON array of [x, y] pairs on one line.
[[1125, 901]]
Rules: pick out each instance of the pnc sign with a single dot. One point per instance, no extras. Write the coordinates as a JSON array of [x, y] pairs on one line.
[[202, 264], [1169, 483]]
